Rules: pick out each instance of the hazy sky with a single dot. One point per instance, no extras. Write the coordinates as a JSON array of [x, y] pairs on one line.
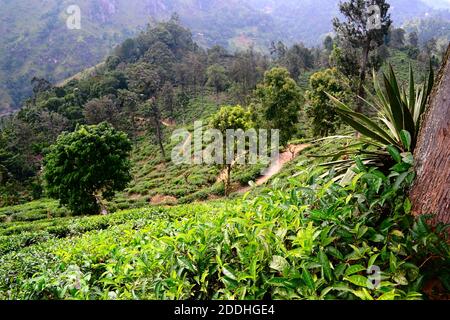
[[437, 3]]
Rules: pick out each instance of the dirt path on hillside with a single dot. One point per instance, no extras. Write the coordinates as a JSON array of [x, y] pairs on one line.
[[168, 123], [292, 151]]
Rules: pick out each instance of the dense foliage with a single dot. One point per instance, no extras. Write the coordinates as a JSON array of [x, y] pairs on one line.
[[321, 110], [280, 100], [86, 165], [230, 118]]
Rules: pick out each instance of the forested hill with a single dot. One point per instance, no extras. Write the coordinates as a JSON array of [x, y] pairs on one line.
[[35, 41]]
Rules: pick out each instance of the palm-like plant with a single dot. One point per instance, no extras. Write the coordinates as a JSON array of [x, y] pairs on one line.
[[393, 132], [399, 112]]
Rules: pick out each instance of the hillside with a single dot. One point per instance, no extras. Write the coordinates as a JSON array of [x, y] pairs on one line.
[[172, 169], [38, 44]]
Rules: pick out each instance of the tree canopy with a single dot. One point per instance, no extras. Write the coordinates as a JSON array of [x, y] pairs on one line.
[[86, 165]]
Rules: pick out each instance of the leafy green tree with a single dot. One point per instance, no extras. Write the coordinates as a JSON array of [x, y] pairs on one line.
[[362, 33], [320, 108], [217, 78], [344, 58], [298, 59], [247, 69], [129, 105], [127, 51], [100, 110], [86, 166], [166, 98], [143, 79], [230, 117], [160, 56], [151, 111], [280, 98]]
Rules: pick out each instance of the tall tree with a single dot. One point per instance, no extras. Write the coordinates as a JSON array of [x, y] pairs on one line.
[[151, 111], [366, 24], [100, 110], [246, 70], [320, 108], [143, 79], [217, 78], [298, 59], [430, 193], [166, 98], [397, 37], [230, 118], [413, 39], [280, 98], [328, 43]]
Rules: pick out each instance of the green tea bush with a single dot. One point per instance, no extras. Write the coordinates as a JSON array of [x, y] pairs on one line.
[[309, 239]]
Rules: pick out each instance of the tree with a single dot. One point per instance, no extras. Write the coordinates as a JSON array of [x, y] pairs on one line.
[[328, 43], [277, 50], [246, 70], [151, 110], [297, 59], [127, 51], [413, 39], [366, 24], [280, 98], [344, 58], [191, 71], [129, 104], [143, 79], [86, 166], [230, 117], [397, 37], [100, 110], [321, 109], [430, 193], [217, 78], [40, 85], [166, 97], [162, 58]]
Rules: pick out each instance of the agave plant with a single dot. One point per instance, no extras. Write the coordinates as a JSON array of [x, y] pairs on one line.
[[392, 134], [399, 111]]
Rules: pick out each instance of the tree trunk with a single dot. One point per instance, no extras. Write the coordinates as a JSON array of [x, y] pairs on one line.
[[430, 193], [228, 180], [362, 78], [156, 115], [160, 138], [103, 209]]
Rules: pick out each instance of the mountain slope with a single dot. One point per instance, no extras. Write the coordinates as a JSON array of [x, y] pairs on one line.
[[37, 43]]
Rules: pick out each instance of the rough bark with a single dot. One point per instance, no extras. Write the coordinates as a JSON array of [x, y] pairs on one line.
[[430, 193], [362, 77]]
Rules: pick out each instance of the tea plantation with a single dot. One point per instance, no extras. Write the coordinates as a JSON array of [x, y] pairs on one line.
[[305, 238]]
